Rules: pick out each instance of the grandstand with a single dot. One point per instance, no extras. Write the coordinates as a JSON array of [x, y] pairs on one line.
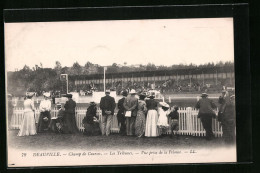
[[177, 80]]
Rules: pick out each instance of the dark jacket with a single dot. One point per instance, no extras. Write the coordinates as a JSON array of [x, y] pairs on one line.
[[90, 114], [107, 103], [205, 106], [121, 110], [130, 104], [174, 115], [70, 106], [151, 104], [229, 112]]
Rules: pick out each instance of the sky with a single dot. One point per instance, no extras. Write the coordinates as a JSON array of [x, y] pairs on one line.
[[162, 42]]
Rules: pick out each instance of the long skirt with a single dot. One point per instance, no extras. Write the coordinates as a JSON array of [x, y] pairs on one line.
[[92, 129], [140, 124], [43, 125], [56, 125], [28, 125], [70, 125], [151, 129]]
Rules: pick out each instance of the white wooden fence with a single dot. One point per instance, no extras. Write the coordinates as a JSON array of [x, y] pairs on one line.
[[189, 124]]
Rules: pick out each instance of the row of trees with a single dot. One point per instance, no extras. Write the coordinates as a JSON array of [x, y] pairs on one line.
[[90, 68], [41, 79]]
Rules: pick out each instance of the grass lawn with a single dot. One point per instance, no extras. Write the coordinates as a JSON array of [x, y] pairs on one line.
[[47, 141]]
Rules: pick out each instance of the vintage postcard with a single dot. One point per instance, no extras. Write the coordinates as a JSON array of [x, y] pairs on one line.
[[117, 92]]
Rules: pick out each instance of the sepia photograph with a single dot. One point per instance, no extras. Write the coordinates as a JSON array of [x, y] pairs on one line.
[[120, 92]]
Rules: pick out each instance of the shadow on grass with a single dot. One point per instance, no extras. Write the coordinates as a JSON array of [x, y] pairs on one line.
[[53, 141]]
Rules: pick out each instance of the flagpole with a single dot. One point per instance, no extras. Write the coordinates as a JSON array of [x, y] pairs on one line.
[[104, 79], [67, 84]]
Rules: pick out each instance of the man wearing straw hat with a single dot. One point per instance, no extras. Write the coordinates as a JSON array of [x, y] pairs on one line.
[[206, 112], [130, 105], [107, 105]]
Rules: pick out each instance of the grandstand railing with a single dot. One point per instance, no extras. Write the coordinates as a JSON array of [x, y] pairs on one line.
[[189, 123]]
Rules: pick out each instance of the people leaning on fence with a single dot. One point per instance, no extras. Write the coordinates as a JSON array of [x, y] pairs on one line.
[[206, 113], [45, 115], [151, 129], [121, 114], [69, 117], [174, 119], [107, 105], [130, 105], [140, 118], [91, 121], [28, 126]]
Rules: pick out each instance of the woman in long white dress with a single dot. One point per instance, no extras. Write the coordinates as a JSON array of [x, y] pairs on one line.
[[151, 129], [28, 123]]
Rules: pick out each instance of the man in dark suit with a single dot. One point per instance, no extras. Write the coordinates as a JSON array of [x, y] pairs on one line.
[[121, 114], [206, 113], [107, 105], [70, 119]]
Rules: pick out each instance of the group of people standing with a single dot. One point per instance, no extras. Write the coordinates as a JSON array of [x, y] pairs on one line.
[[136, 117], [66, 118], [143, 116]]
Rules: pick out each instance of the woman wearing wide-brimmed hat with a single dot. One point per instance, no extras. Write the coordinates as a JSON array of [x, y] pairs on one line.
[[140, 118], [151, 129], [45, 115], [28, 123]]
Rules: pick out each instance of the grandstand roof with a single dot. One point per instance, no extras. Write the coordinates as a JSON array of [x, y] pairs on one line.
[[185, 71]]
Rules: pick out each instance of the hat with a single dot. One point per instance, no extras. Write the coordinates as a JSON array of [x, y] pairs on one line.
[[142, 94], [175, 107], [204, 95], [132, 91], [92, 103], [45, 119], [46, 94], [30, 95], [152, 94], [107, 91], [124, 93], [58, 105], [69, 95], [163, 104]]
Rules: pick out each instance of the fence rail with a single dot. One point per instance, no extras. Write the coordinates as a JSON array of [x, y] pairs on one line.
[[189, 123]]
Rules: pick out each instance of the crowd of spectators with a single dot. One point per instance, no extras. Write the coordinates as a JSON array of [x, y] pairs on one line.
[[168, 86]]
